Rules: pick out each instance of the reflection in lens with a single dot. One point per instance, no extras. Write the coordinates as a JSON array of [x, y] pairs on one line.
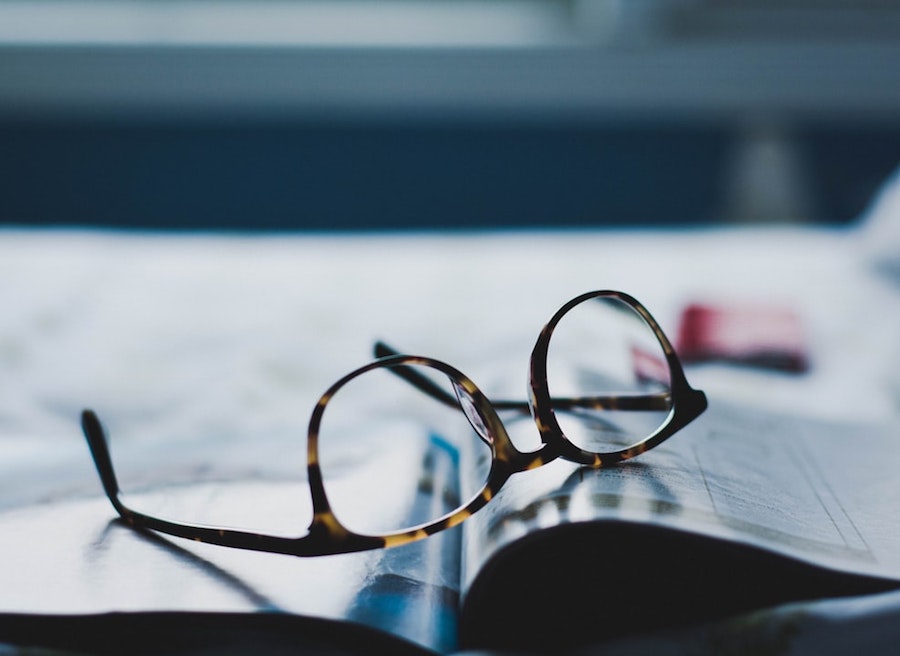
[[608, 376], [394, 457]]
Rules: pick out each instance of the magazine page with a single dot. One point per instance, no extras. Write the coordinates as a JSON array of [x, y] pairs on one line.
[[743, 507]]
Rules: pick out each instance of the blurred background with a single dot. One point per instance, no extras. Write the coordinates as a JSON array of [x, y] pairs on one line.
[[445, 114]]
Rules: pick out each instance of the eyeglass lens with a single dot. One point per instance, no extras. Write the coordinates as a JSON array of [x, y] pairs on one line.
[[393, 457], [604, 353]]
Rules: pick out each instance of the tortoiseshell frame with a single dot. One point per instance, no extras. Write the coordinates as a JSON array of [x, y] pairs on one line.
[[685, 402], [327, 535]]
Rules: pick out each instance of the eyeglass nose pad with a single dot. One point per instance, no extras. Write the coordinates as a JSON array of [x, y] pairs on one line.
[[470, 409]]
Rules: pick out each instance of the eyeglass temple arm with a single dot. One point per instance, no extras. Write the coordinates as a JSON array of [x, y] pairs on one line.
[[307, 545], [99, 446], [660, 401]]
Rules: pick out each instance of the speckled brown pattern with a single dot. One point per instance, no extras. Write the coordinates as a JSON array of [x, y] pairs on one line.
[[327, 535]]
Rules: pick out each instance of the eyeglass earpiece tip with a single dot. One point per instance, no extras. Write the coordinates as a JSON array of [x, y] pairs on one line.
[[89, 419], [92, 427]]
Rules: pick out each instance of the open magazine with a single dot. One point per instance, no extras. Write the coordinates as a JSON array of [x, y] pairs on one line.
[[741, 510]]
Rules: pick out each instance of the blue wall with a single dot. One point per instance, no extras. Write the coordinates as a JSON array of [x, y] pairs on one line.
[[418, 174]]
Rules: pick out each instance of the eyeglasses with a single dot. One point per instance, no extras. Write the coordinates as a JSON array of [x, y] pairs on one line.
[[605, 385]]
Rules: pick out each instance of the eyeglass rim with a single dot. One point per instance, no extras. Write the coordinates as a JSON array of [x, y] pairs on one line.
[[326, 534], [687, 403]]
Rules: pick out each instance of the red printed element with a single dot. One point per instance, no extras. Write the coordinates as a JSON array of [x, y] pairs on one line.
[[650, 368], [769, 337]]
